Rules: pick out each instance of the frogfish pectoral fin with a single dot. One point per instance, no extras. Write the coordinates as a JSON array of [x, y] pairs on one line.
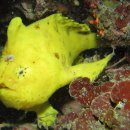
[[90, 70], [46, 114]]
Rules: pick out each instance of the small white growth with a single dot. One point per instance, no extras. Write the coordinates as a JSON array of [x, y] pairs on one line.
[[76, 2], [9, 58], [120, 105]]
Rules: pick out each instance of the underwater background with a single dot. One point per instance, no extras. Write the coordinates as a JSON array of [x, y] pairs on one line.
[[82, 105]]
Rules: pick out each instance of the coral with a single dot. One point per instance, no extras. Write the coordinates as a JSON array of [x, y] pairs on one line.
[[87, 121], [121, 91], [108, 101], [100, 105], [91, 3], [113, 20], [81, 121], [83, 91]]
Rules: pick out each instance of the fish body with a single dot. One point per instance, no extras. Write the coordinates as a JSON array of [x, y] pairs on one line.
[[37, 59]]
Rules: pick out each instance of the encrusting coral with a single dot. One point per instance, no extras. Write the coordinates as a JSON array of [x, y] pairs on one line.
[[37, 60]]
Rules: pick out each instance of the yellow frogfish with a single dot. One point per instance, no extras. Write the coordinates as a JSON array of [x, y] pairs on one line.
[[38, 59]]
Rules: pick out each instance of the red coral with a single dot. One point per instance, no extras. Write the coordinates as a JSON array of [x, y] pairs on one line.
[[94, 92], [109, 102], [120, 23], [87, 98], [65, 121], [100, 105], [85, 92], [105, 87], [124, 16], [120, 8], [79, 86], [121, 92], [127, 105], [68, 117], [91, 3], [82, 90], [110, 119], [86, 121]]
